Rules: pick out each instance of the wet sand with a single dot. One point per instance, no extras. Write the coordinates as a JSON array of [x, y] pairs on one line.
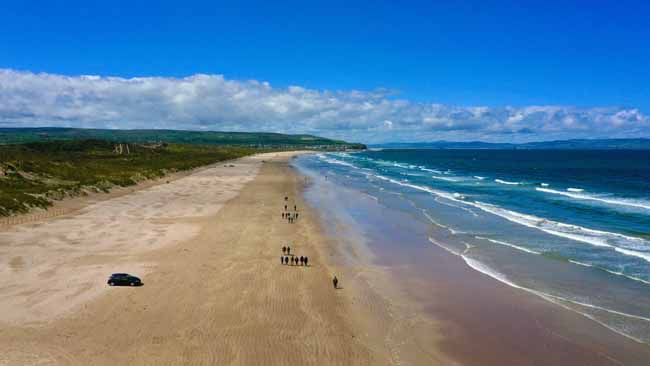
[[454, 310]]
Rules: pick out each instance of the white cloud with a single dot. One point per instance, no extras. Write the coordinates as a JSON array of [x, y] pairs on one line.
[[211, 102]]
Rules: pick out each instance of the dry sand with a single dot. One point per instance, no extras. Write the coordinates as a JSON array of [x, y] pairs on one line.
[[208, 249]]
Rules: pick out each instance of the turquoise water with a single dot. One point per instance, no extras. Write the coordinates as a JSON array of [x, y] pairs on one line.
[[570, 226]]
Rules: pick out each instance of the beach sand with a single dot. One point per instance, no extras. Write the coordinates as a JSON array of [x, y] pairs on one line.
[[207, 247]]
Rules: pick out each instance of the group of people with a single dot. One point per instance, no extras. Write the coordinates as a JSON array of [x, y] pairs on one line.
[[288, 257], [290, 216]]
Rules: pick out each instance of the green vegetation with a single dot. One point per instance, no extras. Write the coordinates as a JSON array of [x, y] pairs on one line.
[[33, 174], [249, 139]]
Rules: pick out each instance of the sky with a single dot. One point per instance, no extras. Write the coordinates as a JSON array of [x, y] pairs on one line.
[[370, 71]]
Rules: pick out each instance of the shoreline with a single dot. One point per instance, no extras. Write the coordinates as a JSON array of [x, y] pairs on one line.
[[482, 321], [215, 293]]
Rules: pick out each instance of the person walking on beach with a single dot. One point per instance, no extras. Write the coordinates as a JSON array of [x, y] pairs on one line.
[[306, 261], [295, 208], [335, 281]]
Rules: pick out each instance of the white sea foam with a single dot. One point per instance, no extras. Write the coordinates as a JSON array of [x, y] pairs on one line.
[[623, 244], [558, 300], [445, 179], [608, 200], [479, 177], [518, 247], [506, 182], [610, 271], [575, 189], [335, 161], [508, 245], [430, 170], [544, 184], [452, 251]]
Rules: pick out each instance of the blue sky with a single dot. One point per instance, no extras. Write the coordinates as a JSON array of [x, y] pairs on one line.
[[585, 60]]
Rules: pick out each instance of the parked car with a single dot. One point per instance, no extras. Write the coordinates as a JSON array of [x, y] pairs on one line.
[[123, 279]]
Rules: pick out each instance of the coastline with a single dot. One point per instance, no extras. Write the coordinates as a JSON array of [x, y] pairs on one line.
[[477, 319], [215, 293]]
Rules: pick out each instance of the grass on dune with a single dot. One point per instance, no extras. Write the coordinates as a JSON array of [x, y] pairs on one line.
[[34, 174]]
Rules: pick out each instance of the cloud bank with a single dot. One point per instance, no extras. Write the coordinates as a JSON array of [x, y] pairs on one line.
[[211, 102]]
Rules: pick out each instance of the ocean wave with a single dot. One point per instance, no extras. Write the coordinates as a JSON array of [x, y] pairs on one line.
[[479, 177], [530, 251], [509, 245], [575, 189], [433, 221], [437, 199], [611, 201], [506, 182], [626, 245], [335, 161], [544, 184], [446, 179], [558, 300], [431, 170], [609, 271], [623, 244]]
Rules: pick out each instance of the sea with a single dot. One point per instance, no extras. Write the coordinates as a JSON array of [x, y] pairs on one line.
[[569, 226]]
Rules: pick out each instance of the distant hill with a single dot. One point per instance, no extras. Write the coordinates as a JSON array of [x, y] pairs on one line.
[[605, 144], [249, 139]]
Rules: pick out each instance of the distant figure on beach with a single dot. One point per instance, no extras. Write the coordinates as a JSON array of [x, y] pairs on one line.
[[335, 281], [296, 215], [288, 250], [302, 260], [295, 208], [284, 250], [285, 207], [306, 261], [282, 260], [286, 260], [286, 198]]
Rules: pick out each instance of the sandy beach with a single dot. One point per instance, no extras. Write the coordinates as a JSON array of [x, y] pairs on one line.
[[207, 247]]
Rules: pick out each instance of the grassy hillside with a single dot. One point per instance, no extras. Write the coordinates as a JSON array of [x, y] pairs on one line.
[[264, 140], [36, 173]]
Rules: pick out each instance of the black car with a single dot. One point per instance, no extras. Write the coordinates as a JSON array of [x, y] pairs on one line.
[[124, 279]]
